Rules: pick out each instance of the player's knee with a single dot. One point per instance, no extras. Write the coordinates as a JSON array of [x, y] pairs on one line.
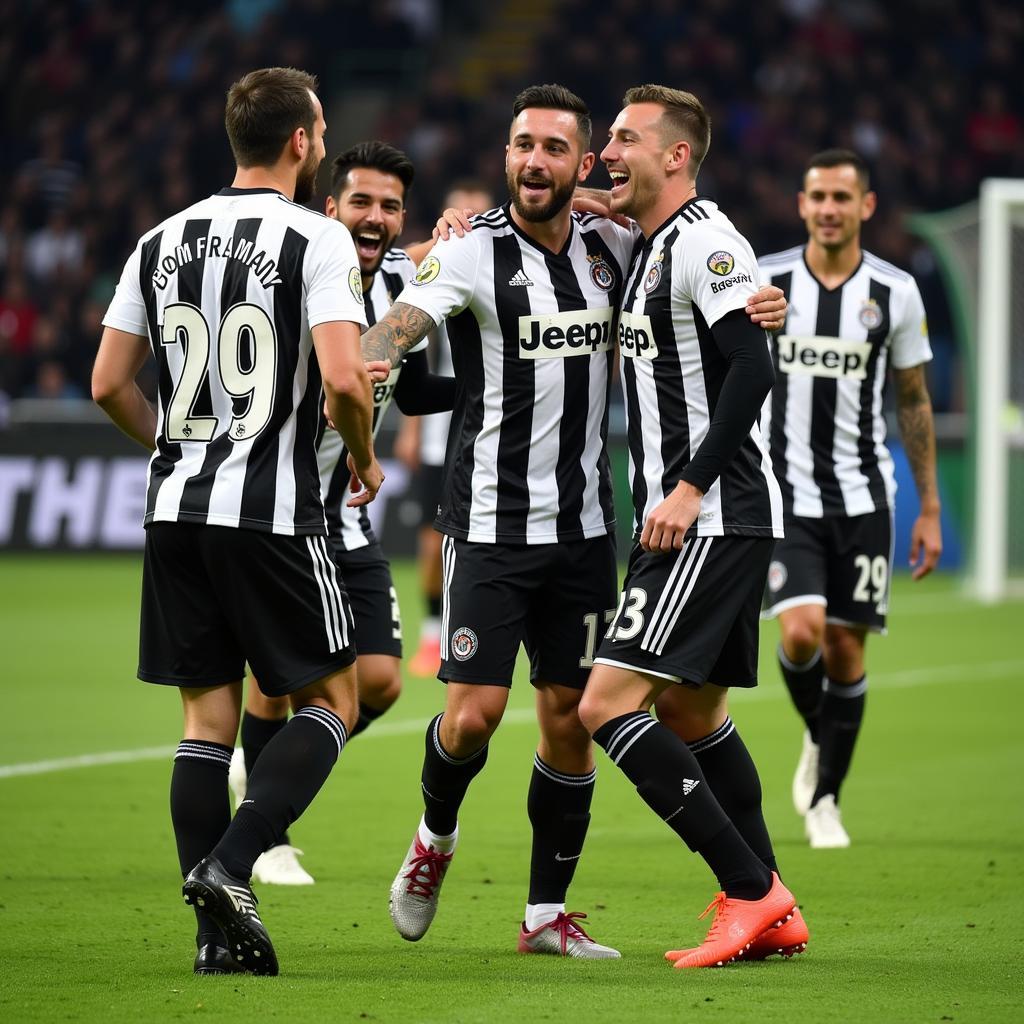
[[469, 727], [380, 683], [565, 729], [592, 711], [801, 638]]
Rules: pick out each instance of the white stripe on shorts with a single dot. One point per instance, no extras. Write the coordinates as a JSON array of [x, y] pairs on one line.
[[447, 572], [326, 595], [680, 582], [677, 605]]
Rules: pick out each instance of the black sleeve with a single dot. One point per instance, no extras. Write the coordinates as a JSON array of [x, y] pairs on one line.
[[748, 380], [419, 391]]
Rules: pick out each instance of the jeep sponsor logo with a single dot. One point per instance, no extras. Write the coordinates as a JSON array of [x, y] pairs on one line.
[[636, 337], [824, 357], [729, 282], [557, 335]]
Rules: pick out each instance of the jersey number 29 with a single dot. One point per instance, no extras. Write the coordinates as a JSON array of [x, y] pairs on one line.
[[246, 363]]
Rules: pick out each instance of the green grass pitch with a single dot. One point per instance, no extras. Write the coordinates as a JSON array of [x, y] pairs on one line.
[[918, 921]]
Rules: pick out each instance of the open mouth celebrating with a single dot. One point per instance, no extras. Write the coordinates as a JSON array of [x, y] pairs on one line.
[[369, 244], [619, 181]]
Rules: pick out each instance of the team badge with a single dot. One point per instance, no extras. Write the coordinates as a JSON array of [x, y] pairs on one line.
[[870, 315], [777, 577], [355, 284], [601, 274], [653, 278], [464, 644], [721, 263], [429, 269]]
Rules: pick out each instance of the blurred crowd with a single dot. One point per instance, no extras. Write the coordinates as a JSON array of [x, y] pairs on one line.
[[112, 119]]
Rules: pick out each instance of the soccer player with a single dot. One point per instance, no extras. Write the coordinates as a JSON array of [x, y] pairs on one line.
[[852, 315], [421, 446], [695, 371], [251, 304], [530, 296], [369, 186]]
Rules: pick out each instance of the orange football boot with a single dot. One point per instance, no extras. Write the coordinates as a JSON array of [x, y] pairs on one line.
[[737, 925]]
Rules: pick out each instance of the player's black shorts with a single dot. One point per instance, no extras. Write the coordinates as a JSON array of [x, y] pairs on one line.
[[554, 598], [428, 483], [692, 616], [216, 597], [843, 563], [371, 592]]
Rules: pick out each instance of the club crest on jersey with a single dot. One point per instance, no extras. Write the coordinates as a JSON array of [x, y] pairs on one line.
[[601, 274], [429, 269], [870, 315], [653, 278], [355, 284], [777, 577], [464, 644], [721, 263]]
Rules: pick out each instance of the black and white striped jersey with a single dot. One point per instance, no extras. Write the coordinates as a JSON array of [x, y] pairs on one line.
[[690, 273], [227, 291], [532, 339], [824, 417], [351, 526]]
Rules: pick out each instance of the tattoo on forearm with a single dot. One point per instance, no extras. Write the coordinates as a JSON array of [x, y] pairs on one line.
[[917, 429], [396, 332]]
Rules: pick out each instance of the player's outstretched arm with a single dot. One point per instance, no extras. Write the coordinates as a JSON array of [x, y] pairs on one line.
[[118, 361], [917, 429], [401, 327]]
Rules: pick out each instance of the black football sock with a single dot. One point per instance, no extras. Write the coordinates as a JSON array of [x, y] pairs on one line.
[[434, 606], [668, 778], [200, 812], [559, 808], [445, 780], [367, 715], [730, 772], [289, 773], [255, 734], [842, 712], [804, 683]]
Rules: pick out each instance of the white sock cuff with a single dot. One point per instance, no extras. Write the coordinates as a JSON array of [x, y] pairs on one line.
[[846, 690], [794, 666]]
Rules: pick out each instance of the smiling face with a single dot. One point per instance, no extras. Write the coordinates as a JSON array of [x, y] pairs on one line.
[[833, 205], [544, 160], [637, 158], [371, 205]]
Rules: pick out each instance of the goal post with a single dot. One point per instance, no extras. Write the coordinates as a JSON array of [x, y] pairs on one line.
[[999, 384], [980, 249]]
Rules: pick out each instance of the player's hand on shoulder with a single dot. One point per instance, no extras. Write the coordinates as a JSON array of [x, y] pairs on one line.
[[452, 220], [327, 416], [366, 481], [767, 308], [592, 200], [665, 528]]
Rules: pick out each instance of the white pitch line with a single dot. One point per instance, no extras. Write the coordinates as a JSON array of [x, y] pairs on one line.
[[991, 671]]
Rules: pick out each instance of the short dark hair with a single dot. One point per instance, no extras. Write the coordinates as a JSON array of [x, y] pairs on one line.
[[684, 117], [556, 97], [264, 107], [840, 158], [378, 156]]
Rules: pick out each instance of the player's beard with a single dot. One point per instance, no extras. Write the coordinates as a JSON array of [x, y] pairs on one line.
[[305, 183], [560, 196]]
